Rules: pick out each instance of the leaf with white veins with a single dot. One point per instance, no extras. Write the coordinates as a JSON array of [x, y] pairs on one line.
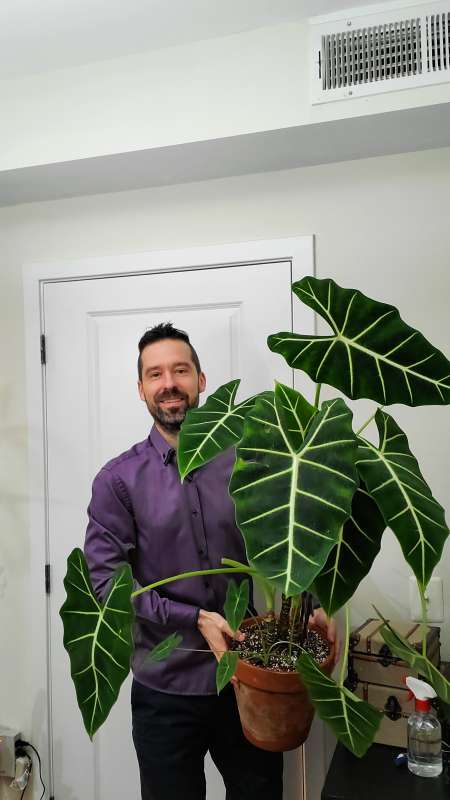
[[400, 647], [351, 559], [212, 428], [293, 484], [394, 480], [226, 669], [236, 602], [97, 637], [164, 649], [352, 721], [371, 351]]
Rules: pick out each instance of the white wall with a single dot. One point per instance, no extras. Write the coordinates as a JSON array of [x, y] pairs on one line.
[[209, 89], [381, 225]]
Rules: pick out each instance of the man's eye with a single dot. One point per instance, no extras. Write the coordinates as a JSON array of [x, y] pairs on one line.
[[180, 370], [154, 375]]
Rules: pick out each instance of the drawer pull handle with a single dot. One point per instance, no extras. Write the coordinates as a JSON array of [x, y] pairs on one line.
[[392, 708]]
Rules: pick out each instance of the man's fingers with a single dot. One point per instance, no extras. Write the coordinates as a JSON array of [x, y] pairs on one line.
[[238, 635], [329, 628]]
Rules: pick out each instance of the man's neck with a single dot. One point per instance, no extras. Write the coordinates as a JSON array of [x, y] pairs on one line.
[[171, 438]]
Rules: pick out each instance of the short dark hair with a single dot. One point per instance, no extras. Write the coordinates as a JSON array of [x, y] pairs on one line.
[[165, 330]]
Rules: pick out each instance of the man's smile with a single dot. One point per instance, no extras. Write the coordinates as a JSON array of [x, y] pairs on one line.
[[172, 401]]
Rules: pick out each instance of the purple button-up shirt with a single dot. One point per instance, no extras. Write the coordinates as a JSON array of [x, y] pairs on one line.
[[141, 512]]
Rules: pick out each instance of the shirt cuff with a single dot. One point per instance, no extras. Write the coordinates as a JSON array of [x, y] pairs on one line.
[[183, 614]]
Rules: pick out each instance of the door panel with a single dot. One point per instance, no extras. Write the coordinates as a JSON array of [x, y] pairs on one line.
[[94, 413]]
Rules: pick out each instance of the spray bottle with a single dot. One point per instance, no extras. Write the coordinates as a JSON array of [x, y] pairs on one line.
[[424, 732]]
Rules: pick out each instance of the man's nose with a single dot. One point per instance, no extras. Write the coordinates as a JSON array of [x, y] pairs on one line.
[[169, 380]]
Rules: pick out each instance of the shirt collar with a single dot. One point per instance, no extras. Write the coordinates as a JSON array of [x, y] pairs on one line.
[[164, 449]]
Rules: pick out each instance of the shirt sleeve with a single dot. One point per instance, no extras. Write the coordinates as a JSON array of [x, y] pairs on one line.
[[110, 540]]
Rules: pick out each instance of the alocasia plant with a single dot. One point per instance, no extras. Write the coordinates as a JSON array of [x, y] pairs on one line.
[[313, 498]]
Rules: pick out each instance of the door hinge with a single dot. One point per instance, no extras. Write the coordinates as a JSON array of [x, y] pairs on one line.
[[47, 579], [43, 350]]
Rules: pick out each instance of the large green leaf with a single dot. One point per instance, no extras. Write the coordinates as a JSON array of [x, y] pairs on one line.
[[352, 557], [98, 638], [371, 352], [293, 484], [212, 428], [417, 661], [394, 480], [236, 603], [353, 721]]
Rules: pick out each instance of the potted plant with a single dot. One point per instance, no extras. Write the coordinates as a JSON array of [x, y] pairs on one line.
[[313, 498]]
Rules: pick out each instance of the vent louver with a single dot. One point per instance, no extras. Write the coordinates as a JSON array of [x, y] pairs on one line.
[[380, 52], [438, 42]]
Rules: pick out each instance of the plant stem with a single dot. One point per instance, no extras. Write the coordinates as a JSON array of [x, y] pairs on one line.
[[285, 641], [423, 603], [283, 619], [192, 574], [295, 612], [368, 421], [307, 611], [266, 588], [317, 396], [343, 670], [230, 562]]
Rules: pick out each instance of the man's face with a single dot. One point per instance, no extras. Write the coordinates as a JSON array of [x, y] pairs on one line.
[[170, 383]]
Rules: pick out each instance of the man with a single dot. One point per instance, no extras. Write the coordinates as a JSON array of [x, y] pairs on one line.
[[141, 513]]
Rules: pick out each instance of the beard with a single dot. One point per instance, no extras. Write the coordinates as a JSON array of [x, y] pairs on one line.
[[171, 419]]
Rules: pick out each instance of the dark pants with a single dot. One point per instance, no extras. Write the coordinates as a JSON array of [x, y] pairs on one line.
[[172, 734]]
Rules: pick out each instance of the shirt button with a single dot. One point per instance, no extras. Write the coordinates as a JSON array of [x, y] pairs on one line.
[[206, 584], [195, 512]]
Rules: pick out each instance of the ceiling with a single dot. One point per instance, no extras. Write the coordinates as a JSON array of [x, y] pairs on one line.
[[306, 145], [41, 35]]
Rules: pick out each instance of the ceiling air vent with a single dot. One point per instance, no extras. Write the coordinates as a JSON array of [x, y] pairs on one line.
[[369, 53]]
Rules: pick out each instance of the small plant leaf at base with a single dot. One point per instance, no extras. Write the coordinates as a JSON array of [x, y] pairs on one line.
[[417, 661], [97, 637], [236, 603], [164, 649], [226, 669], [394, 480], [352, 557], [371, 352], [353, 721]]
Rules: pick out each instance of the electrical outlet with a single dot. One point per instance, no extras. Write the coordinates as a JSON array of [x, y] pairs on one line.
[[8, 738], [434, 598]]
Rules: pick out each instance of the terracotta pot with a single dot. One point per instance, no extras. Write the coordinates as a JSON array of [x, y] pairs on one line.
[[274, 707]]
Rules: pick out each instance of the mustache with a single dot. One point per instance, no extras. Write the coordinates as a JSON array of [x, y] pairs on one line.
[[171, 395]]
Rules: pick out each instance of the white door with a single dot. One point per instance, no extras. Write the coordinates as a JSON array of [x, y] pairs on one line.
[[93, 413]]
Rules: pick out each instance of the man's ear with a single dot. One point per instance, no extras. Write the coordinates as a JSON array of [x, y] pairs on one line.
[[140, 390], [201, 382]]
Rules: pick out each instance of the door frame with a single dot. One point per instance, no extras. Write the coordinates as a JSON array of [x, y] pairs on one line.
[[299, 250]]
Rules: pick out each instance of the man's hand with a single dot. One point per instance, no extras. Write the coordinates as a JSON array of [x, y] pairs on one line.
[[328, 626], [215, 629]]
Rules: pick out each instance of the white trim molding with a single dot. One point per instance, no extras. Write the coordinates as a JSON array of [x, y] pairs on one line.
[[298, 250]]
